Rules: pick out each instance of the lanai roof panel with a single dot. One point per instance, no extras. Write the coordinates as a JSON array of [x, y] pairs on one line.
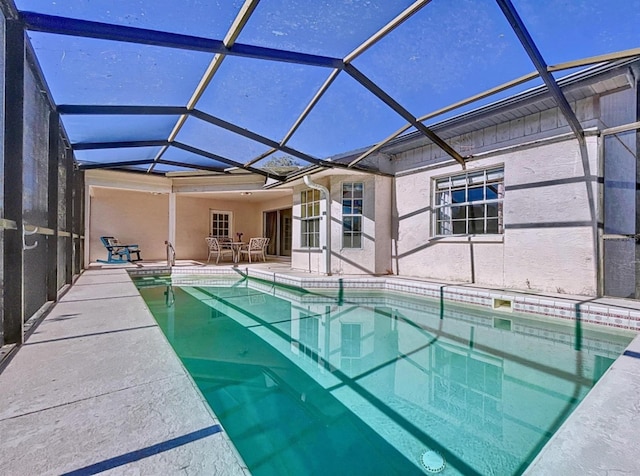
[[206, 18], [569, 30], [262, 96], [335, 125], [233, 77], [329, 27], [216, 140], [174, 154], [441, 56], [117, 128], [164, 168], [92, 71], [109, 156]]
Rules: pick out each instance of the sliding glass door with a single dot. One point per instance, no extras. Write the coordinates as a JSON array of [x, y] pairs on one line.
[[277, 227]]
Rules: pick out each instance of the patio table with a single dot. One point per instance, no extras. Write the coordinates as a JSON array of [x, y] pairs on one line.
[[235, 247]]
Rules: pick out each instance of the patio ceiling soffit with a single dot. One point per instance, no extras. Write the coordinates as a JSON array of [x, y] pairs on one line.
[[84, 28]]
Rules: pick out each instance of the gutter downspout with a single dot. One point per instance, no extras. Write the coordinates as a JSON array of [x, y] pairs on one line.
[[327, 197]]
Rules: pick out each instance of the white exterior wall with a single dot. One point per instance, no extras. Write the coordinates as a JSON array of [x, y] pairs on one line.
[[374, 257], [136, 209], [384, 224], [193, 221], [311, 260], [548, 243], [140, 218]]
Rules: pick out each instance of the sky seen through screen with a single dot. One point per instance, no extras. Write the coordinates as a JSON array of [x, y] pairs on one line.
[[443, 53]]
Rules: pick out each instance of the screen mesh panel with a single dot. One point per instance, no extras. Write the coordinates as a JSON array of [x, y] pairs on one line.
[[2, 73], [35, 193]]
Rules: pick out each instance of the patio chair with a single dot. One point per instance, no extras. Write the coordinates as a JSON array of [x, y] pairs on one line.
[[256, 247], [119, 252], [217, 249]]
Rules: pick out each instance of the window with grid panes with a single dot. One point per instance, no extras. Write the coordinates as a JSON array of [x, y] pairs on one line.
[[352, 196], [470, 203], [310, 218], [220, 224]]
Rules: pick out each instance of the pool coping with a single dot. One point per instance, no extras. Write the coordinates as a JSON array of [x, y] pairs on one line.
[[573, 308]]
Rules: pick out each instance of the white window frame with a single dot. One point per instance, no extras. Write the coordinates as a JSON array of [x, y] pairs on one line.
[[310, 215], [444, 223], [229, 214], [348, 243]]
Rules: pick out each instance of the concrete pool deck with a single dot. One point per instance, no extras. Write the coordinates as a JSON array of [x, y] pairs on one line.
[[601, 435], [97, 387]]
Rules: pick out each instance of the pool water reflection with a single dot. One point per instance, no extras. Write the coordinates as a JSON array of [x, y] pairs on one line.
[[316, 383]]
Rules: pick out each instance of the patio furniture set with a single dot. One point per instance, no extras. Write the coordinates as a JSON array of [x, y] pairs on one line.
[[255, 249]]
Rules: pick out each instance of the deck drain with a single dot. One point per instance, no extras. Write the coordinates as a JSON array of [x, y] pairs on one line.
[[432, 461]]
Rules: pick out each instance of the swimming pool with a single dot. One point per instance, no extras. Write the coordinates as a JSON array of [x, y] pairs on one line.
[[354, 382]]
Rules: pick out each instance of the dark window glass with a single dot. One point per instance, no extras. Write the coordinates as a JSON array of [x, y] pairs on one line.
[[492, 209], [476, 194], [492, 225], [458, 213], [459, 227], [476, 226], [357, 223], [458, 196], [482, 193], [476, 211], [352, 207]]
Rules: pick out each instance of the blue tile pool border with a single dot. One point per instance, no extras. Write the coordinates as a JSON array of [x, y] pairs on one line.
[[501, 301]]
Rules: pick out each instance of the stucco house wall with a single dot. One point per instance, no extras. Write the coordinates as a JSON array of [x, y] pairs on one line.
[[275, 204], [374, 256], [307, 259], [138, 217], [548, 241], [552, 200], [192, 221], [384, 223]]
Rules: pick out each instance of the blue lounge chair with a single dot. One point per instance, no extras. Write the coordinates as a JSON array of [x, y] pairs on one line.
[[118, 252]]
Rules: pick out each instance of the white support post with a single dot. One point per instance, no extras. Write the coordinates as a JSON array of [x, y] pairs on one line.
[[87, 224], [172, 218]]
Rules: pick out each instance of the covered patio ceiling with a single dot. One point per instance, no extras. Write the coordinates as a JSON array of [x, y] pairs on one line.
[[159, 86]]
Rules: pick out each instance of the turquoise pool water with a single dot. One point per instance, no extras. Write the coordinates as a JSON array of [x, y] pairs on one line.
[[309, 383]]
